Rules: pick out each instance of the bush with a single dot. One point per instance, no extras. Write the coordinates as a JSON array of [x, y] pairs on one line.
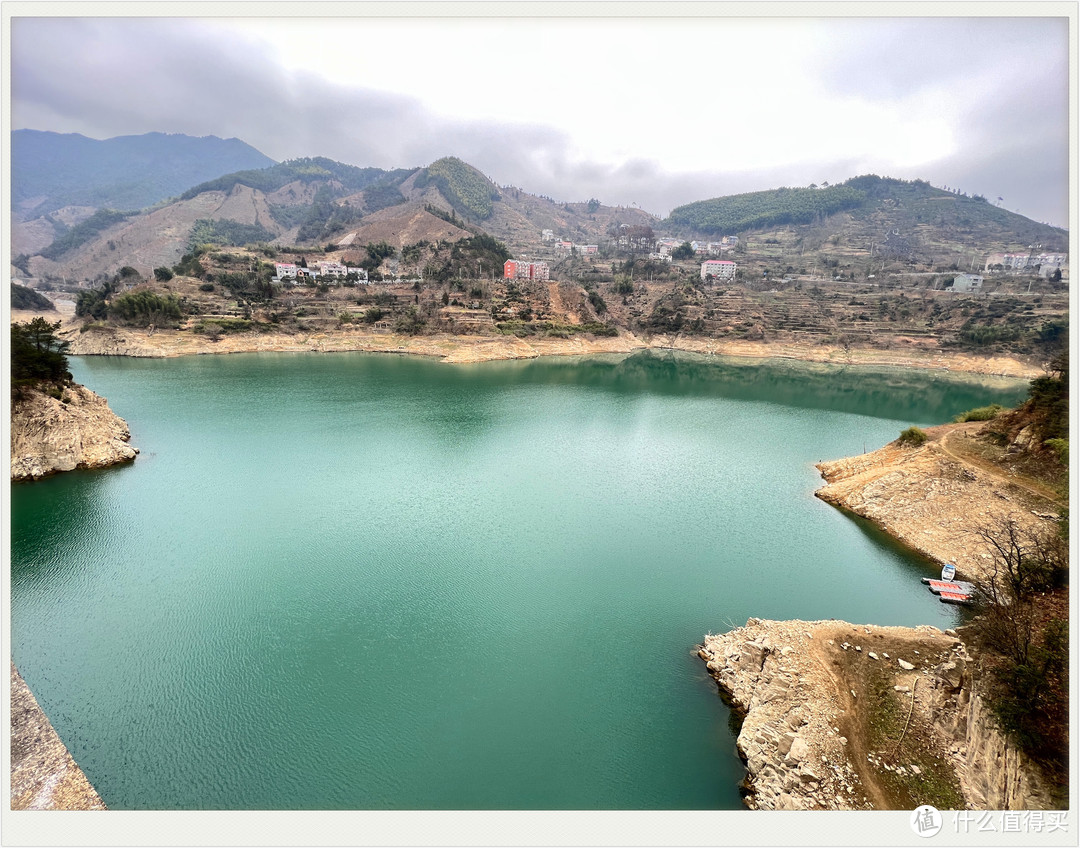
[[912, 437], [163, 275], [206, 287], [409, 323], [92, 304], [981, 413]]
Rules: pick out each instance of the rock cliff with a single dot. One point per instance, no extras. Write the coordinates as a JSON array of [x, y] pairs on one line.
[[78, 430], [844, 717]]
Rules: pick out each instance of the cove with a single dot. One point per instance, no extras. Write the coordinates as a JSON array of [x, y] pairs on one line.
[[363, 581]]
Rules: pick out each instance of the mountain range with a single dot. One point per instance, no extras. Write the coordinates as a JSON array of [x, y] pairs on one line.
[[85, 208]]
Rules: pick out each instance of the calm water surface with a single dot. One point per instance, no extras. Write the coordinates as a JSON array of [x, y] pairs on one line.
[[353, 581]]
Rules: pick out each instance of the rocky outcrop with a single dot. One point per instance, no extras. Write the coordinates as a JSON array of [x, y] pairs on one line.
[[931, 499], [995, 775], [76, 430], [43, 774], [840, 716]]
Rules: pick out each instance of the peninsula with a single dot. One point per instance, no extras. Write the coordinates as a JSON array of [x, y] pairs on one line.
[[835, 715]]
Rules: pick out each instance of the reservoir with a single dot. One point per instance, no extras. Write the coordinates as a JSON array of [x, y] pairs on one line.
[[371, 582]]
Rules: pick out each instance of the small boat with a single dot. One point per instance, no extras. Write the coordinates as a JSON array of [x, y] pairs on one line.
[[955, 598], [948, 572]]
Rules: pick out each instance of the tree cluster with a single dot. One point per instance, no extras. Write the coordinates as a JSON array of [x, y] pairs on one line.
[[37, 355]]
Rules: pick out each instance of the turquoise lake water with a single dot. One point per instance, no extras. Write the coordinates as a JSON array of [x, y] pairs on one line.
[[362, 581]]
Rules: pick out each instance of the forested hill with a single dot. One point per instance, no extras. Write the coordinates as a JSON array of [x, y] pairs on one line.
[[467, 190], [738, 213], [907, 204], [52, 170], [309, 170]]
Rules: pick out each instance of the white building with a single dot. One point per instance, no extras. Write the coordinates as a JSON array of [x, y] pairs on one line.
[[547, 235], [285, 270], [718, 269], [331, 269]]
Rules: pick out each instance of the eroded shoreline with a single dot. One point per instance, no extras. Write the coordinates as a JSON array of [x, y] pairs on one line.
[[117, 341]]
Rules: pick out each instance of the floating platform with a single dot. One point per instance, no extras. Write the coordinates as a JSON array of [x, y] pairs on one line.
[[951, 591]]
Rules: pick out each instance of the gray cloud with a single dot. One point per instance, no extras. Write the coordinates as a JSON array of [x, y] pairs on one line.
[[107, 77]]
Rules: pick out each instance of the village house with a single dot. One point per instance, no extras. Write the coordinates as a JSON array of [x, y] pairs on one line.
[[967, 283], [285, 270], [547, 235], [718, 269], [564, 248], [331, 269]]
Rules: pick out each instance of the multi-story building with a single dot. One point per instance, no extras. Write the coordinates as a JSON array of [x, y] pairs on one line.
[[285, 270], [331, 269], [514, 269], [718, 269], [1046, 262]]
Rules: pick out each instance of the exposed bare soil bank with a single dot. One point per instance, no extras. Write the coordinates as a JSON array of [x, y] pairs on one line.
[[815, 697], [43, 774], [77, 431], [934, 498], [477, 348], [841, 716]]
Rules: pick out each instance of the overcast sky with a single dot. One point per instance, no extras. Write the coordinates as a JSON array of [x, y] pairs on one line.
[[654, 112]]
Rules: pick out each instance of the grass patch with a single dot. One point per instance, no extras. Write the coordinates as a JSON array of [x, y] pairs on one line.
[[912, 437], [906, 766], [981, 413]]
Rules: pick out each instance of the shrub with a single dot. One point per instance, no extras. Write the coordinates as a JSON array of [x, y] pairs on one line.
[[206, 287], [163, 275], [981, 413], [409, 323], [912, 437]]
